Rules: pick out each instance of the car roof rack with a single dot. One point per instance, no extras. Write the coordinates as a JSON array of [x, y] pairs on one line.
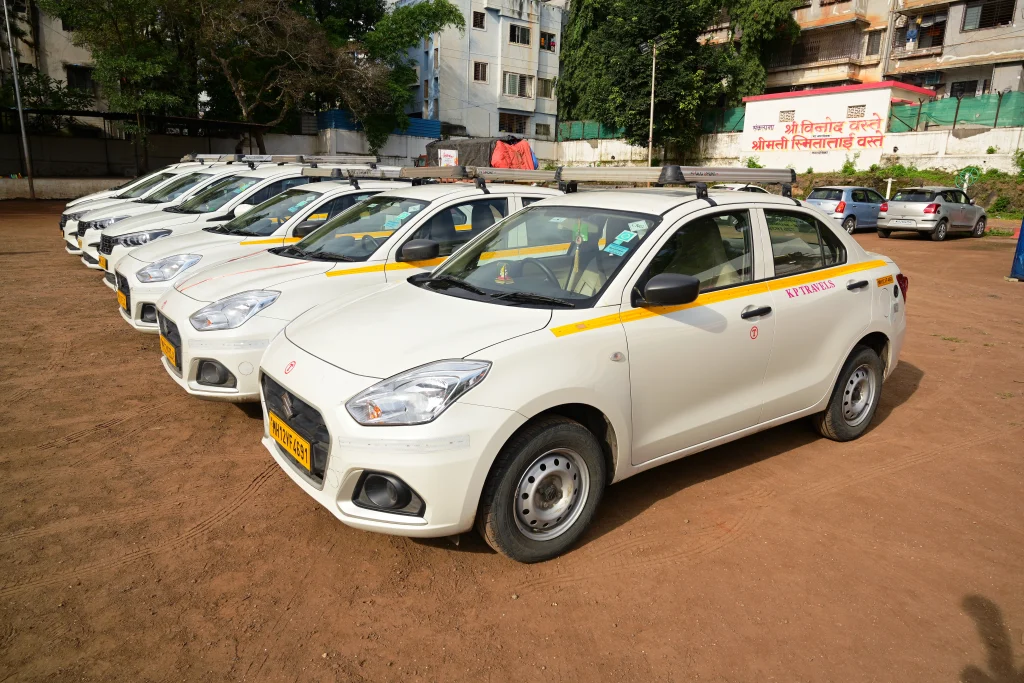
[[357, 159], [204, 158]]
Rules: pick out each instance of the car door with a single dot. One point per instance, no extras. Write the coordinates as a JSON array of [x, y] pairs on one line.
[[861, 207], [954, 209], [972, 212], [817, 317], [875, 201], [696, 371]]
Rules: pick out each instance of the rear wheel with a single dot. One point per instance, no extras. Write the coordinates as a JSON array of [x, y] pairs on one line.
[[884, 234], [979, 228], [854, 398], [940, 231], [850, 224], [542, 491]]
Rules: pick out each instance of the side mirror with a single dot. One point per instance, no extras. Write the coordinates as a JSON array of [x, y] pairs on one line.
[[419, 250], [303, 229], [670, 289], [973, 202], [241, 209]]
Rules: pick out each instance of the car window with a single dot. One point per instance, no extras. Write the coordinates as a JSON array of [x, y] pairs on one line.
[[964, 198], [145, 186], [268, 216], [875, 198], [859, 195], [330, 209], [566, 252], [356, 233], [453, 226], [216, 195], [950, 197], [176, 188], [530, 200], [714, 249], [801, 243], [277, 187], [826, 194], [913, 195]]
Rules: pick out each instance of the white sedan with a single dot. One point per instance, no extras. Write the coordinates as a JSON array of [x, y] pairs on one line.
[[583, 340], [144, 274], [215, 325]]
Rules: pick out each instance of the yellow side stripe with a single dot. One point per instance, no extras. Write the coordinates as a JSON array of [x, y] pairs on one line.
[[526, 251], [386, 267], [249, 243], [715, 297]]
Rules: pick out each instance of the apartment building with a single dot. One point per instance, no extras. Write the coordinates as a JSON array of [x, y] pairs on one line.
[[498, 76], [46, 46]]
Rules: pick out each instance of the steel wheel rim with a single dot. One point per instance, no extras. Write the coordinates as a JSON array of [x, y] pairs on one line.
[[859, 395], [551, 494]]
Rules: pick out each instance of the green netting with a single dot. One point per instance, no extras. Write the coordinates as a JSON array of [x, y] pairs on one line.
[[978, 111], [588, 130], [724, 121]]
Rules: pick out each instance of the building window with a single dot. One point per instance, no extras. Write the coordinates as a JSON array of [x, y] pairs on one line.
[[547, 41], [987, 14], [546, 87], [478, 20], [542, 130], [480, 72], [520, 35], [517, 85], [426, 88], [79, 78], [874, 43], [512, 123], [963, 89], [787, 116], [856, 111], [435, 57]]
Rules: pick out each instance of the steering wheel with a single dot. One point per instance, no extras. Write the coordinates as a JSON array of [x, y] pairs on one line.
[[542, 266]]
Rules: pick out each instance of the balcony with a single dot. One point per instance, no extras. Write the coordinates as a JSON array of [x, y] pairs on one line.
[[819, 48], [831, 13]]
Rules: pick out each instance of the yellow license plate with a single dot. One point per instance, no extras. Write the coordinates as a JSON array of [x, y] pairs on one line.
[[286, 437], [79, 242], [103, 262], [885, 281], [123, 300], [168, 349]]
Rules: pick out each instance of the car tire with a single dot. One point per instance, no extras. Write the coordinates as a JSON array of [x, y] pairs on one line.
[[850, 224], [884, 234], [558, 447], [979, 228], [854, 398], [940, 231]]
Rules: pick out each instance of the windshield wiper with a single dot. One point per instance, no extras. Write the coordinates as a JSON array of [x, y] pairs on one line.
[[530, 298], [457, 282], [324, 256]]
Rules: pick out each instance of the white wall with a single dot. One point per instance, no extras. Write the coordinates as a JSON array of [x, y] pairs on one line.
[[399, 149]]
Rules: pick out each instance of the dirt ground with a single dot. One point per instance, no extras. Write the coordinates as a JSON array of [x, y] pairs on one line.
[[147, 536]]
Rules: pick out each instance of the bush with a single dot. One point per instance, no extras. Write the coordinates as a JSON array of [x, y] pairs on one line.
[[1018, 161], [850, 165], [752, 162], [1002, 203], [991, 150], [810, 170], [875, 168]]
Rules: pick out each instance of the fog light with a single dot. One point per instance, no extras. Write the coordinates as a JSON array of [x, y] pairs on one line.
[[149, 313], [388, 493], [212, 373]]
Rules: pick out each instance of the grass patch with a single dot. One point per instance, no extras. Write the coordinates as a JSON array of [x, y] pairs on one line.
[[1006, 394], [995, 232], [955, 340]]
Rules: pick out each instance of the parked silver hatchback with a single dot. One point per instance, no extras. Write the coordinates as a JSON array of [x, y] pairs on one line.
[[935, 211]]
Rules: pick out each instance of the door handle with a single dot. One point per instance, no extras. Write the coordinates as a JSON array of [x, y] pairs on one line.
[[857, 285], [756, 312]]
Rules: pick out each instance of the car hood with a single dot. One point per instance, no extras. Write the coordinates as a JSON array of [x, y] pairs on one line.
[[129, 208], [188, 243], [95, 205], [261, 270], [400, 326], [150, 220]]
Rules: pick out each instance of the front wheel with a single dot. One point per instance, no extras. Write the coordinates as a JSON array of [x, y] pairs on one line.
[[542, 490], [979, 228], [850, 224], [854, 399], [884, 234], [939, 233]]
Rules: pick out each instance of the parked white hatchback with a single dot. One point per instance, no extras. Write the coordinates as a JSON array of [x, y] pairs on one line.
[[216, 324], [144, 274], [583, 340]]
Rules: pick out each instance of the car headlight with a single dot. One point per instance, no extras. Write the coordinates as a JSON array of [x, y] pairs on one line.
[[230, 312], [416, 396], [168, 268], [137, 239], [105, 222], [76, 216]]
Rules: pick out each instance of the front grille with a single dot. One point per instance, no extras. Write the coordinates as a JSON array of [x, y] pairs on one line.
[[306, 421], [122, 286], [82, 227], [109, 277], [169, 331], [106, 244], [63, 221], [89, 259]]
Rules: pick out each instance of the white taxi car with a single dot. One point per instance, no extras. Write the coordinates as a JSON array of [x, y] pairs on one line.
[[231, 195], [215, 325], [171, 193], [583, 340], [144, 274]]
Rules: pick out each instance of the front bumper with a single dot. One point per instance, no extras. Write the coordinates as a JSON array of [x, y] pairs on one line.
[[70, 231], [907, 224], [139, 296], [239, 350], [90, 249], [444, 462]]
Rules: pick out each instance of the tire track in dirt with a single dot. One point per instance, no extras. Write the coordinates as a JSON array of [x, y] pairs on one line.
[[113, 422], [196, 531]]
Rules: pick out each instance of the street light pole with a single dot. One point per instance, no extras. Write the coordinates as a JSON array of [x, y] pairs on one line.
[[650, 130], [17, 97]]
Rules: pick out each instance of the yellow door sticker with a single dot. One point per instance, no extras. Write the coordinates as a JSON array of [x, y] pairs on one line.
[[885, 281]]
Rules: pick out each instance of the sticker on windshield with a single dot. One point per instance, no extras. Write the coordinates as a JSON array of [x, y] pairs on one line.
[[625, 236], [616, 249], [404, 214], [557, 219], [393, 222], [637, 226], [414, 209]]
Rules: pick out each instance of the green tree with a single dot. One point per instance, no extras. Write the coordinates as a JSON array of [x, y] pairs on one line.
[[39, 91]]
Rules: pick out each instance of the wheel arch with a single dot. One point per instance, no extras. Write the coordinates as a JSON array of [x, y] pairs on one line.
[[593, 419]]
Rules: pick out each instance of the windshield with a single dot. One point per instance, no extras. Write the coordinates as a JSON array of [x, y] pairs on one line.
[[218, 194], [355, 234], [565, 253], [176, 188], [145, 186], [266, 218], [913, 195], [828, 194]]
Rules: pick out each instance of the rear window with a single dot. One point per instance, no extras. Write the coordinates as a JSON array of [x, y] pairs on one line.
[[913, 195], [827, 194]]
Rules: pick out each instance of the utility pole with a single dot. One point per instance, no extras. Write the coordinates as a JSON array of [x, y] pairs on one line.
[[652, 46], [17, 97]]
